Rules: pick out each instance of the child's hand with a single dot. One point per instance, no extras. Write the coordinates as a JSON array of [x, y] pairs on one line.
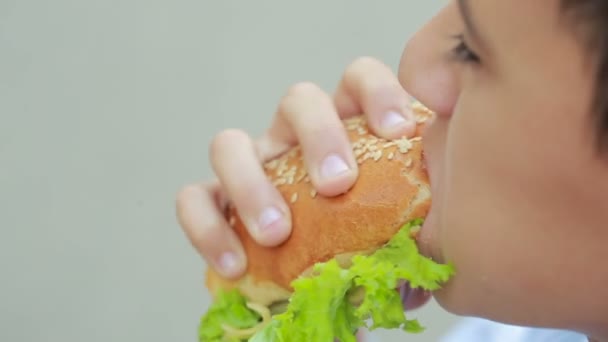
[[308, 116]]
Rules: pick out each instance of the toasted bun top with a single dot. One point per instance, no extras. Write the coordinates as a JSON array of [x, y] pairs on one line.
[[391, 189]]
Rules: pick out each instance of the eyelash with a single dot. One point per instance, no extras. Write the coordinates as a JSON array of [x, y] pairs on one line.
[[462, 53]]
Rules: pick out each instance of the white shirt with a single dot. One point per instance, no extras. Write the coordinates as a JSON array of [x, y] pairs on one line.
[[480, 330]]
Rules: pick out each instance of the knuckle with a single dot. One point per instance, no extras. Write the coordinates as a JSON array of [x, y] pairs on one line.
[[225, 138], [206, 237], [183, 199], [304, 89], [362, 64], [205, 232], [185, 194], [244, 191], [288, 108], [299, 97], [372, 81]]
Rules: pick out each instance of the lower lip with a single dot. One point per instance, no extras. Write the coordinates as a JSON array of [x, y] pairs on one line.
[[413, 298], [426, 235]]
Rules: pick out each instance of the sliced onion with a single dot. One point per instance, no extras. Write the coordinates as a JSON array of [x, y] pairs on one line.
[[232, 332]]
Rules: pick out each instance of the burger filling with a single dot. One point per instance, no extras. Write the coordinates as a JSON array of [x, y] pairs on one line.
[[334, 302]]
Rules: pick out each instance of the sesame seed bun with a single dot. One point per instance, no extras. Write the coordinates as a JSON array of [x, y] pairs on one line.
[[392, 188]]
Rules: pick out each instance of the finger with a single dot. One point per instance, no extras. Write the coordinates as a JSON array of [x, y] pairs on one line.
[[370, 87], [202, 221], [307, 115], [260, 205]]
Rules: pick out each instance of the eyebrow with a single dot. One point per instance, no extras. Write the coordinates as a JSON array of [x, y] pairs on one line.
[[465, 11]]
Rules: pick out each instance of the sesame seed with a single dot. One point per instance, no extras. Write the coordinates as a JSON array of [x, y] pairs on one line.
[[354, 123], [391, 156], [313, 193], [301, 176], [272, 164], [293, 152], [404, 145], [377, 155], [294, 197], [232, 220], [408, 163], [279, 181], [418, 105], [282, 168], [290, 175]]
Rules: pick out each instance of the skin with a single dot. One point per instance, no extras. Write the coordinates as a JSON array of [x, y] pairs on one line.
[[520, 202]]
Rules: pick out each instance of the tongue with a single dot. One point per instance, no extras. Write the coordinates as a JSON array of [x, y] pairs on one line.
[[413, 298]]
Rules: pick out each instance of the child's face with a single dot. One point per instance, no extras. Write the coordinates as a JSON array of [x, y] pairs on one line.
[[520, 195]]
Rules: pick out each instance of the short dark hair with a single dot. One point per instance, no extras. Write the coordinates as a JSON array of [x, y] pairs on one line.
[[591, 20]]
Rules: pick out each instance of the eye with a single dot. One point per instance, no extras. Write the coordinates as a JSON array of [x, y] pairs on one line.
[[462, 53]]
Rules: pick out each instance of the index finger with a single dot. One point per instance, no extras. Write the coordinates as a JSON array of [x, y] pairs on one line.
[[370, 87]]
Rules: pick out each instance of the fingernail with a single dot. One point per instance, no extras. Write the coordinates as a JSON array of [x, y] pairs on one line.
[[333, 166], [229, 264], [268, 217], [393, 119]]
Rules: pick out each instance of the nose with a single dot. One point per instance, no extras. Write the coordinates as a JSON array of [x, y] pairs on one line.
[[425, 71]]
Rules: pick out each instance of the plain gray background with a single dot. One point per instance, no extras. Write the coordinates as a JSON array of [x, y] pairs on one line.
[[106, 110]]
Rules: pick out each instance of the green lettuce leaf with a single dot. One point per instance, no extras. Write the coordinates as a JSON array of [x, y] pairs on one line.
[[230, 308], [321, 307]]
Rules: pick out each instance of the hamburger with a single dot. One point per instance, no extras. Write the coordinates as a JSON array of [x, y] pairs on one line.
[[348, 259]]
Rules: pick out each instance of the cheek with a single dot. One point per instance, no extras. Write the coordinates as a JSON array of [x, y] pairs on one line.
[[474, 231], [502, 219]]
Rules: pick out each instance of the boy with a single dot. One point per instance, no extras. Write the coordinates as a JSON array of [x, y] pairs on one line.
[[517, 157]]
